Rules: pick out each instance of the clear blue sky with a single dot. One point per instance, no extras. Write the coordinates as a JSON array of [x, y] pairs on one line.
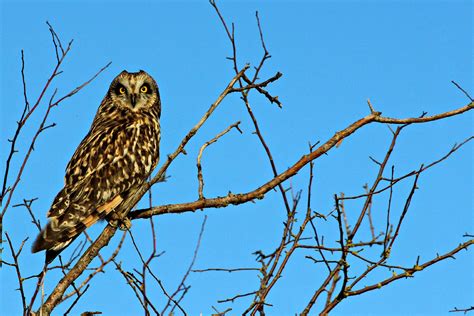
[[334, 55]]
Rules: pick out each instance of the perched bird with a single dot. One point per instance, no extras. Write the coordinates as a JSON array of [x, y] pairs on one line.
[[116, 157]]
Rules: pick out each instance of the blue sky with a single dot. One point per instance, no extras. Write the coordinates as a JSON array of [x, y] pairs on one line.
[[333, 55]]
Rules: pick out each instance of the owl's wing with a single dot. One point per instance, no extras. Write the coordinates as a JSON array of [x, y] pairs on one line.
[[106, 165]]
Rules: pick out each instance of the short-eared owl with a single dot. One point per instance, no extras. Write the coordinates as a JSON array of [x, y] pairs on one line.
[[116, 156]]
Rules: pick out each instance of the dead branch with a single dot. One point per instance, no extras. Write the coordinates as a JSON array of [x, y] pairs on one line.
[[463, 310], [225, 270], [194, 130], [99, 269], [160, 283], [259, 192], [203, 147], [42, 126], [15, 255], [409, 272], [182, 286]]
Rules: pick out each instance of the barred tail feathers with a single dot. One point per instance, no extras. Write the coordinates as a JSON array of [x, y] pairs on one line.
[[51, 241], [62, 230]]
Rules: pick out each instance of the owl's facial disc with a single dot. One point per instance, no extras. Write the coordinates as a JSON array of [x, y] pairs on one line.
[[134, 91]]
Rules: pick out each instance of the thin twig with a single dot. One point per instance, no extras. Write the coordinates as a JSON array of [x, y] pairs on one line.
[[463, 310], [194, 130], [181, 285], [203, 147], [224, 270], [153, 274], [16, 264], [460, 88]]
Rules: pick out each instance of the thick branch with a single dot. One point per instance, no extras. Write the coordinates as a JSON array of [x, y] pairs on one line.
[[259, 193], [77, 270]]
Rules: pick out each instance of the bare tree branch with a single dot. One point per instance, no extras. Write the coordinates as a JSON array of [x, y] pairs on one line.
[[259, 192], [182, 286], [203, 147]]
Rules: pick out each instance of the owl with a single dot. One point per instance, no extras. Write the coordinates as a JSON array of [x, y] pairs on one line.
[[117, 156]]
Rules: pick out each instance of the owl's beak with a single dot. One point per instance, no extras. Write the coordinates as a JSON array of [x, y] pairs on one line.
[[133, 99]]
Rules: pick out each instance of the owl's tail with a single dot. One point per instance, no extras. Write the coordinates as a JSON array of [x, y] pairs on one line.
[[63, 229], [48, 240]]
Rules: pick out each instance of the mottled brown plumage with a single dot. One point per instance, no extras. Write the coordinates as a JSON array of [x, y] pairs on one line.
[[117, 155]]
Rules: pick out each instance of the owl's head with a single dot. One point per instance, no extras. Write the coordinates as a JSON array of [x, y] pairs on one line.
[[134, 90]]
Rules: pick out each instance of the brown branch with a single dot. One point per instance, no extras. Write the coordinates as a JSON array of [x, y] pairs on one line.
[[343, 264], [369, 215], [80, 87], [462, 90], [375, 264], [389, 207], [392, 181], [92, 252], [259, 192], [39, 285], [79, 295], [132, 283], [266, 54], [99, 269], [232, 299], [20, 123], [203, 147], [371, 108], [271, 98], [381, 119], [337, 249], [27, 204], [135, 245], [308, 208], [245, 92], [334, 282], [266, 148], [344, 215], [416, 268], [464, 310], [346, 289], [269, 281], [332, 274], [56, 41], [221, 313], [224, 270], [194, 130], [405, 210], [181, 285], [378, 179], [256, 86], [408, 273], [42, 127], [16, 264], [152, 256]]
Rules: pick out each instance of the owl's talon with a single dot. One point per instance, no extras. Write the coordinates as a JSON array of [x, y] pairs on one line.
[[113, 223], [125, 224], [122, 224]]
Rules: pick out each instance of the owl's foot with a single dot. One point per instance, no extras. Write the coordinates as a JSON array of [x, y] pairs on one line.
[[122, 224]]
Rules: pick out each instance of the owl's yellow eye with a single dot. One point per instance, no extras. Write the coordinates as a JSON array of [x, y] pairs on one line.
[[144, 89], [122, 90]]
